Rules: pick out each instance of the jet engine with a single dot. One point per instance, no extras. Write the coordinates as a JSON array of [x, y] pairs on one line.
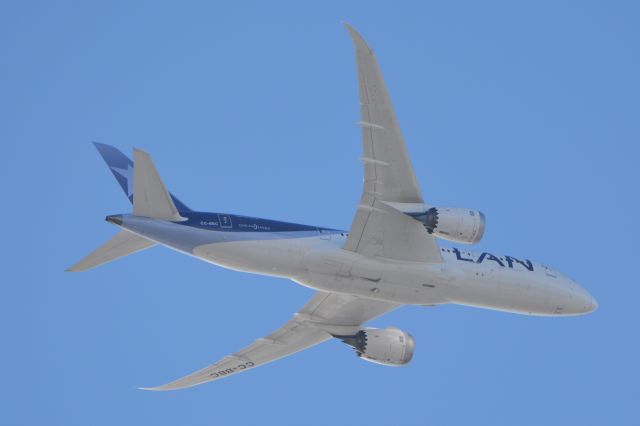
[[389, 346], [453, 224]]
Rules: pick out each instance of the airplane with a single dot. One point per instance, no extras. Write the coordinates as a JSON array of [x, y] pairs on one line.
[[389, 258]]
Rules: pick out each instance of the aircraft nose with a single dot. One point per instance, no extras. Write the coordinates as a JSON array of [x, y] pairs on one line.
[[583, 301], [594, 304]]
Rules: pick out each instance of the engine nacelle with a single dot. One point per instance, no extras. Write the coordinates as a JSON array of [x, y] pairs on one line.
[[453, 224], [389, 346]]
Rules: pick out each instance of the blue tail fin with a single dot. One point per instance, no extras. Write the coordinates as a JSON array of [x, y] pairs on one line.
[[122, 168]]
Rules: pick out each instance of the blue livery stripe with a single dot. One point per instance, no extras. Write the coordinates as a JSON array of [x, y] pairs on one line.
[[237, 223]]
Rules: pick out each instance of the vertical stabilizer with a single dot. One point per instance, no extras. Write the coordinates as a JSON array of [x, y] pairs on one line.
[[122, 168]]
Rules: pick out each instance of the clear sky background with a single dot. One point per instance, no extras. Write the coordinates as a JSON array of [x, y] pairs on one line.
[[527, 111]]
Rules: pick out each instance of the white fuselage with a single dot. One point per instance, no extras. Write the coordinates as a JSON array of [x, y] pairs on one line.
[[318, 261]]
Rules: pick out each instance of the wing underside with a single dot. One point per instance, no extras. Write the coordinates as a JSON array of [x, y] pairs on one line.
[[388, 171], [380, 228], [324, 314]]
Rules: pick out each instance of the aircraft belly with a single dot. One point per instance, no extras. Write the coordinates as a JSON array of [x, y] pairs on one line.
[[509, 291], [343, 271], [169, 234], [277, 257], [380, 290], [320, 263]]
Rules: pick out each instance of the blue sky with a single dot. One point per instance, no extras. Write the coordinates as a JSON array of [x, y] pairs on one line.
[[527, 111]]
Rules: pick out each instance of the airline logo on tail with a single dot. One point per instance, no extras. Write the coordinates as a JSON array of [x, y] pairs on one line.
[[122, 168], [120, 165], [128, 175]]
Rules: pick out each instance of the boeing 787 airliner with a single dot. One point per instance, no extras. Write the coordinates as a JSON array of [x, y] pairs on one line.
[[390, 257]]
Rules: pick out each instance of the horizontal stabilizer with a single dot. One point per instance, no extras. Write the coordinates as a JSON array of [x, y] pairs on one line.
[[150, 196], [123, 244]]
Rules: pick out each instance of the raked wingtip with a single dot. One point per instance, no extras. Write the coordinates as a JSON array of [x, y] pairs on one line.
[[358, 40], [350, 28], [155, 389]]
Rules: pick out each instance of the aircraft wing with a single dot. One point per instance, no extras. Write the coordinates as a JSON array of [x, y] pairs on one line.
[[380, 227], [325, 314]]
